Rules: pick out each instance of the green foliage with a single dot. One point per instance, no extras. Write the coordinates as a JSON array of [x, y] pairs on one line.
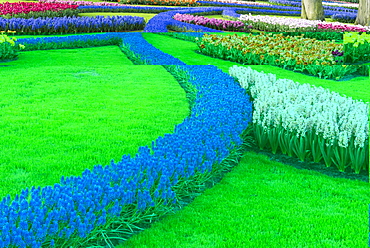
[[338, 36], [336, 72], [312, 147], [356, 47], [8, 47]]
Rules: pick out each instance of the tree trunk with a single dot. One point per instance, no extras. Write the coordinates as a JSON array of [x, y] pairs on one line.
[[313, 10], [363, 14]]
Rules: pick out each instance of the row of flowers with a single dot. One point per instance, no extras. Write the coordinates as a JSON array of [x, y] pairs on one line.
[[343, 14], [81, 3], [269, 23], [324, 59], [163, 22], [219, 24], [276, 24], [59, 25], [163, 2], [232, 12], [308, 122], [329, 11], [325, 4], [291, 52], [11, 9], [84, 3], [341, 4], [240, 2], [68, 212]]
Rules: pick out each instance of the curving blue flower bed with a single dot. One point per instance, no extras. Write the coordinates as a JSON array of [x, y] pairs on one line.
[[146, 52], [73, 208], [163, 21]]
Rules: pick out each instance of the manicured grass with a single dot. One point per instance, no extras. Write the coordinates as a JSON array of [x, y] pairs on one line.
[[63, 111], [217, 17], [259, 204], [97, 57], [267, 204], [186, 51]]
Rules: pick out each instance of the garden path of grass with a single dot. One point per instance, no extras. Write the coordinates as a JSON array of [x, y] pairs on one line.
[[63, 111], [185, 51], [261, 203]]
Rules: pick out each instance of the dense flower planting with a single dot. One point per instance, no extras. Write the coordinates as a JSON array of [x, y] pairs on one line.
[[325, 4], [239, 2], [274, 24], [164, 21], [305, 121], [59, 25], [335, 11], [51, 216], [15, 9], [329, 11], [164, 2], [296, 53], [135, 46], [357, 47], [341, 4], [81, 3], [252, 8], [9, 47], [219, 24]]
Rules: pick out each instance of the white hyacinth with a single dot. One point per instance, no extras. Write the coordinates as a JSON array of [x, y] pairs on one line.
[[301, 108]]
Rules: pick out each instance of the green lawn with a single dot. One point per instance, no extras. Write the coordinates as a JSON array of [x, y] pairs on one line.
[[267, 204], [63, 111], [66, 110]]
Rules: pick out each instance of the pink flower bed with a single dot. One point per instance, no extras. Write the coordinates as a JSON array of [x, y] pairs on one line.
[[25, 8], [341, 27], [214, 23], [82, 3]]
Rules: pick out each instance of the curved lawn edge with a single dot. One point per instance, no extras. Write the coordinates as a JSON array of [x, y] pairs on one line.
[[71, 210]]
